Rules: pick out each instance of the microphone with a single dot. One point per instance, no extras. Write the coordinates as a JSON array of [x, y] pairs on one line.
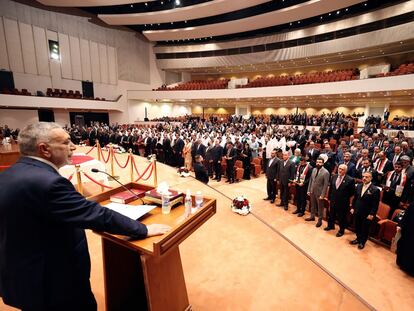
[[95, 170]]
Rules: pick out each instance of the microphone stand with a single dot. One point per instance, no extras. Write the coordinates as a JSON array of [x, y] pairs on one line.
[[95, 170]]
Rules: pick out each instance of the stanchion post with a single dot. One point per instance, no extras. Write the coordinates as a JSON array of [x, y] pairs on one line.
[[79, 179], [132, 165], [98, 147], [111, 150], [154, 163]]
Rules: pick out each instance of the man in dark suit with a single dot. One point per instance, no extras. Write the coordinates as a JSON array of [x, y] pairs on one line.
[[366, 167], [45, 262], [200, 171], [381, 167], [271, 175], [216, 155], [178, 152], [364, 207], [312, 153], [349, 164], [302, 176], [286, 175], [342, 188], [231, 157]]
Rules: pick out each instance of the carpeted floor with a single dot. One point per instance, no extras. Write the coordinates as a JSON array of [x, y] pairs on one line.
[[270, 259]]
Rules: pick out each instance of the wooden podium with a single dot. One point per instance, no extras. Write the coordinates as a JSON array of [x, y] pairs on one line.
[[147, 274], [9, 154]]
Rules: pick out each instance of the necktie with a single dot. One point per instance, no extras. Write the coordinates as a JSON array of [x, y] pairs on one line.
[[317, 172], [338, 182]]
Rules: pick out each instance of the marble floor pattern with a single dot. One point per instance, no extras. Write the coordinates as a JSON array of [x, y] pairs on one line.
[[270, 259]]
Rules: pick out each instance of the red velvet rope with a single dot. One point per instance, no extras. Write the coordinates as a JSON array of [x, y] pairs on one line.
[[95, 181], [70, 177], [127, 161], [102, 156], [151, 165], [90, 150], [5, 166]]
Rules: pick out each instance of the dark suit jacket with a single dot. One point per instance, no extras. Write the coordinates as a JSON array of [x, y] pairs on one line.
[[340, 198], [217, 153], [368, 203], [44, 253], [286, 172], [314, 156], [200, 172], [273, 169]]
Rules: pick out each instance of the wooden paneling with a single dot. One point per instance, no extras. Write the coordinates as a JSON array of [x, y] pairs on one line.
[[28, 48], [14, 49], [75, 58], [65, 56], [4, 61], [85, 60], [96, 72], [42, 51]]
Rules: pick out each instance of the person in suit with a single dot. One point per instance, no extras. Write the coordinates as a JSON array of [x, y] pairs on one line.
[[381, 167], [286, 174], [271, 176], [405, 251], [341, 189], [200, 171], [231, 157], [302, 177], [364, 207], [51, 272], [178, 152], [394, 188], [312, 153], [217, 154], [318, 185], [351, 171], [366, 167]]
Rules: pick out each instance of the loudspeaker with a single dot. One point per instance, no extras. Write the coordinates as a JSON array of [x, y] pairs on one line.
[[87, 89]]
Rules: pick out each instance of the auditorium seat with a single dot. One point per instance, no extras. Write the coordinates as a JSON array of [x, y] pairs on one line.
[[382, 214], [388, 228], [256, 167], [239, 170]]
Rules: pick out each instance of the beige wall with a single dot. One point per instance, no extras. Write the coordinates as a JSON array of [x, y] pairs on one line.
[[213, 110], [309, 111], [401, 111]]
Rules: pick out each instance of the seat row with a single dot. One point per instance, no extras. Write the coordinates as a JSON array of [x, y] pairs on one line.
[[403, 69]]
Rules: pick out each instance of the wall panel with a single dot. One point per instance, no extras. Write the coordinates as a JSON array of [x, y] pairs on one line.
[[103, 63], [65, 56], [75, 58], [96, 72], [14, 49], [4, 61], [42, 51], [28, 48], [112, 72], [85, 60]]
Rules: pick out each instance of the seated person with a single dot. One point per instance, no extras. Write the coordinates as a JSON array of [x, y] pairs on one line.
[[199, 169]]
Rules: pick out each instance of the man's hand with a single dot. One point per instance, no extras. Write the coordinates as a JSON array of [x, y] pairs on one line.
[[157, 229], [352, 210], [309, 193], [370, 217]]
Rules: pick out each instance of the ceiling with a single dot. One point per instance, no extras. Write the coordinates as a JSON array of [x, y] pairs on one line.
[[162, 21]]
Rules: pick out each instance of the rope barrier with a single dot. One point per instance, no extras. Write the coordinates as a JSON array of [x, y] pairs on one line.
[[70, 177], [5, 166], [95, 181], [124, 166], [145, 171], [103, 158], [90, 150]]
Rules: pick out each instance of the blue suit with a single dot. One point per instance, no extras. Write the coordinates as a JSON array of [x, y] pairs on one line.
[[44, 258]]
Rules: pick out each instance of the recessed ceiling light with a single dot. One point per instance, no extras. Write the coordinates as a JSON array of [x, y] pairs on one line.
[[132, 5], [337, 12]]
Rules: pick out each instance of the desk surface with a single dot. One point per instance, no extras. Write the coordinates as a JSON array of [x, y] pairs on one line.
[[158, 245]]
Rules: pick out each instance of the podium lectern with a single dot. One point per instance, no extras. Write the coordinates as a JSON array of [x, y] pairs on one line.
[[147, 274]]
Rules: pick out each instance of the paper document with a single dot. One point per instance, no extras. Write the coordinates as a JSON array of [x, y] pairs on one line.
[[132, 211]]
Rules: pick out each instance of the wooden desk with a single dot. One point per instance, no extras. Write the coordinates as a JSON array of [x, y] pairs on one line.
[[9, 154], [147, 274]]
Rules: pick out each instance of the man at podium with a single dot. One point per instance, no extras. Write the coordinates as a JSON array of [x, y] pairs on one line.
[[44, 261]]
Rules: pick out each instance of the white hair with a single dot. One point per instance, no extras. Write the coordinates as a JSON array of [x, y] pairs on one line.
[[33, 134]]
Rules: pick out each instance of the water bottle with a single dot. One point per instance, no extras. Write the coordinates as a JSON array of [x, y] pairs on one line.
[[165, 207], [188, 204]]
